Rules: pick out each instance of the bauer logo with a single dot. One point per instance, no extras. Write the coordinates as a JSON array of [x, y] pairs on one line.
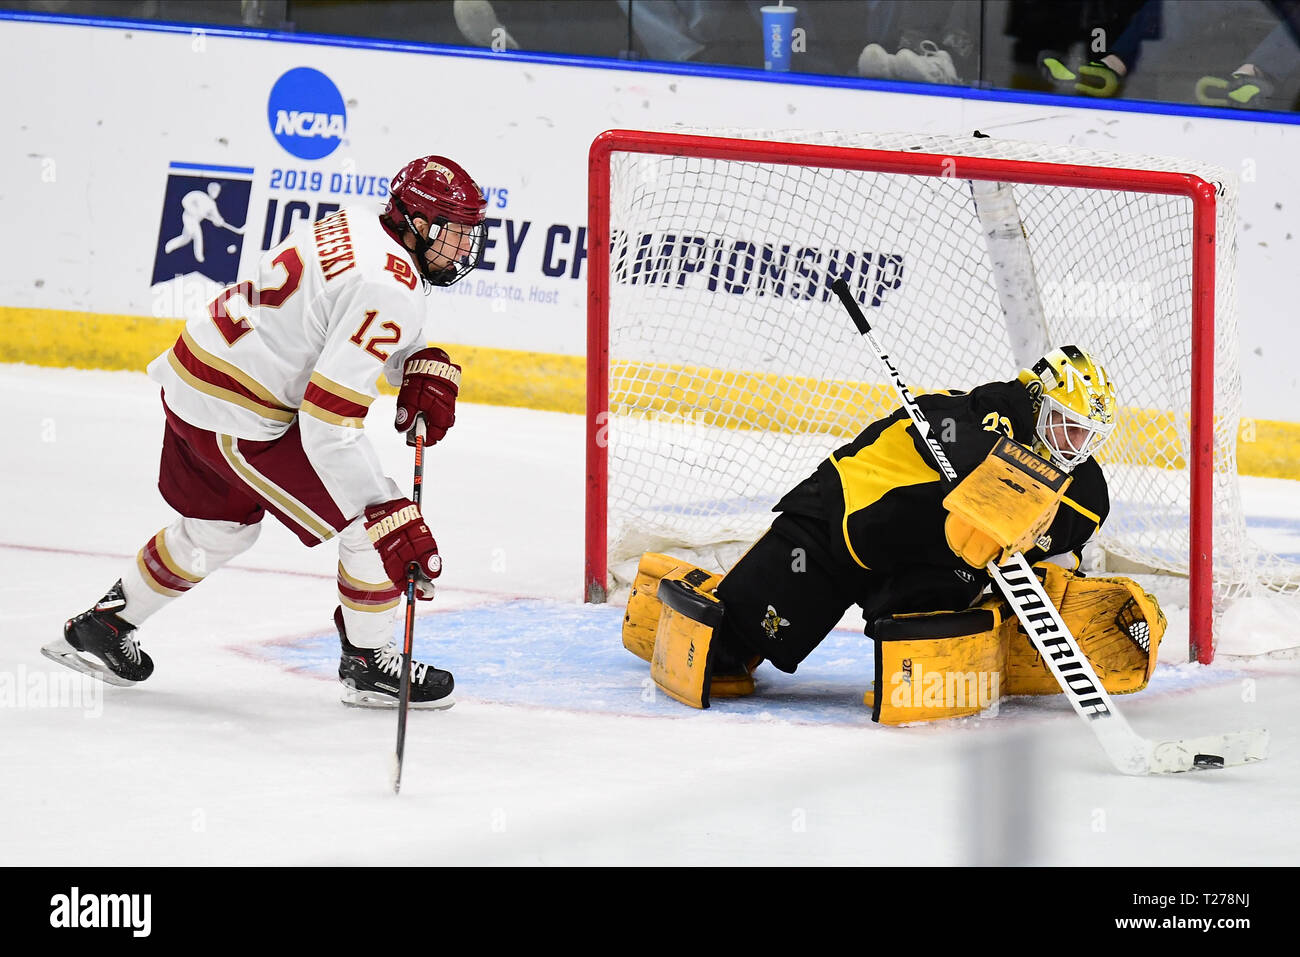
[[307, 114]]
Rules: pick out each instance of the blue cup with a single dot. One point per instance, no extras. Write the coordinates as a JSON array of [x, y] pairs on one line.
[[778, 26]]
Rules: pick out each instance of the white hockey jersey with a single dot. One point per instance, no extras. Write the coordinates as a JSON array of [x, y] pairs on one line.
[[305, 337]]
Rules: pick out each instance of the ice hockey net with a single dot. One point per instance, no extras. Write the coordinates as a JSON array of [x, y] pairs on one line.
[[721, 368]]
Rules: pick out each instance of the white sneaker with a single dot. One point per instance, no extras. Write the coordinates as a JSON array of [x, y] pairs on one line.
[[874, 62], [931, 65]]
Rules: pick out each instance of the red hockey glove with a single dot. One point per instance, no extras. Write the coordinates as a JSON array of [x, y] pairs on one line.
[[400, 536], [430, 384]]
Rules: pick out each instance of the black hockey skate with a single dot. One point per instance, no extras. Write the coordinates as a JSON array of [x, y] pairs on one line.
[[100, 644], [372, 677]]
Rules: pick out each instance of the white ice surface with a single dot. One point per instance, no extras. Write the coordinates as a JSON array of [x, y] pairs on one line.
[[237, 750]]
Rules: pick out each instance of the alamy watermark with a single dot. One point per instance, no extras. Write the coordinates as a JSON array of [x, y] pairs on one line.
[[26, 689], [1083, 300], [914, 687], [77, 909]]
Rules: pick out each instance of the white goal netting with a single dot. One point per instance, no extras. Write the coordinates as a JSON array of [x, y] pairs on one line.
[[734, 370]]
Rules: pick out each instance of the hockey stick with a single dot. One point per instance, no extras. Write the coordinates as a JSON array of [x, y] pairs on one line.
[[1128, 751], [404, 689]]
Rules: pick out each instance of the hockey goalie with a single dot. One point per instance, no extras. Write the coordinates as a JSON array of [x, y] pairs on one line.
[[875, 527]]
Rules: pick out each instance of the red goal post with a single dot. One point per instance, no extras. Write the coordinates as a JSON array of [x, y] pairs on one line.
[[703, 151]]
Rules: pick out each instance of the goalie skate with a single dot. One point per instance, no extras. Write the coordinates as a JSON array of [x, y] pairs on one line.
[[372, 677]]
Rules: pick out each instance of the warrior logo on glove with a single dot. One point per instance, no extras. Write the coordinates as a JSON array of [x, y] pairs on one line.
[[402, 538], [430, 385]]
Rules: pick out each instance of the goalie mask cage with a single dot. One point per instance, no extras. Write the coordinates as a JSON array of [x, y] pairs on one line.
[[722, 369]]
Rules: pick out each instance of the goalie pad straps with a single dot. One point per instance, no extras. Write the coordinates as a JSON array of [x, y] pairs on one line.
[[641, 620], [1006, 502], [681, 660], [644, 611]]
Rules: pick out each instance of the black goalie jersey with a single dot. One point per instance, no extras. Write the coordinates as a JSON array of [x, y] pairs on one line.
[[883, 499]]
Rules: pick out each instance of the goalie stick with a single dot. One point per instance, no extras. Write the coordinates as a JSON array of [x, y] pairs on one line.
[[1128, 751]]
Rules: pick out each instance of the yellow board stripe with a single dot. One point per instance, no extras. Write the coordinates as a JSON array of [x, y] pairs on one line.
[[557, 383], [273, 493], [762, 401]]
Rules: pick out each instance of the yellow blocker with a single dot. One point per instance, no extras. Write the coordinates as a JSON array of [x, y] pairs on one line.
[[951, 664], [1006, 502]]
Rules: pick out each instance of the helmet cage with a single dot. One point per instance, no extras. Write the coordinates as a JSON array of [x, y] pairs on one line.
[[1069, 437], [457, 269]]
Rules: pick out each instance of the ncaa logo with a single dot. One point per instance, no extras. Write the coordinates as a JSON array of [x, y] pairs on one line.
[[306, 113]]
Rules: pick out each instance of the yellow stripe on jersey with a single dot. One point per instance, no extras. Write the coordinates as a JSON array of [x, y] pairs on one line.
[[226, 395], [844, 524], [340, 390], [1096, 519], [334, 403], [273, 493], [333, 418], [890, 462], [239, 375]]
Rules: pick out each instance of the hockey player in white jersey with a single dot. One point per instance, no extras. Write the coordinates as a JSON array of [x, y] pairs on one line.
[[265, 395]]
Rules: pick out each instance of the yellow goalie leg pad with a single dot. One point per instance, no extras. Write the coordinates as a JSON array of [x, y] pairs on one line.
[[641, 620], [1117, 624], [1006, 502], [680, 663], [939, 665]]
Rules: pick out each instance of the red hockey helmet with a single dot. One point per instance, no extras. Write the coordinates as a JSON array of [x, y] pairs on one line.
[[442, 193]]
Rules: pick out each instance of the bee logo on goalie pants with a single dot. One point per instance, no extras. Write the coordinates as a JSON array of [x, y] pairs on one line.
[[772, 621]]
